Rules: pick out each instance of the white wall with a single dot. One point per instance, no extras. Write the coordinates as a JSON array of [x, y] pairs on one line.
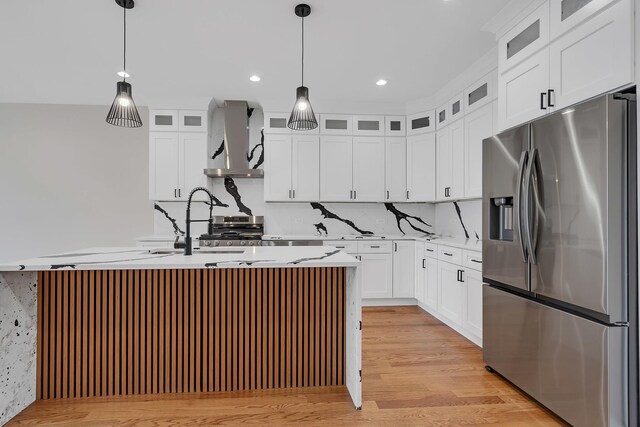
[[69, 180]]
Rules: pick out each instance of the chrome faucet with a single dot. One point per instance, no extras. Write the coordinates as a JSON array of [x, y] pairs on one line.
[[187, 239]]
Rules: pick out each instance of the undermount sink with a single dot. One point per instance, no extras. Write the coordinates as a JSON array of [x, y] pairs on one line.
[[169, 251]]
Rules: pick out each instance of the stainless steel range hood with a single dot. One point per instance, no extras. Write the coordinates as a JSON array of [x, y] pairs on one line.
[[236, 143]]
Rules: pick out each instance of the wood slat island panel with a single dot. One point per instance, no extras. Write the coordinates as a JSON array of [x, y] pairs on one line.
[[127, 332]]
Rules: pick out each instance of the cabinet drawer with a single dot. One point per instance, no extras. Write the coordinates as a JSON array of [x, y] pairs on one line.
[[431, 250], [347, 246], [382, 247], [472, 260], [452, 255]]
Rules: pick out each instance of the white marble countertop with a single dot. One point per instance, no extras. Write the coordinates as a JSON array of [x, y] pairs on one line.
[[469, 244], [127, 258]]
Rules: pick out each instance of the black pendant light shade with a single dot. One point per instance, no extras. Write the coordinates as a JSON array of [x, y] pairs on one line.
[[123, 111], [302, 116]]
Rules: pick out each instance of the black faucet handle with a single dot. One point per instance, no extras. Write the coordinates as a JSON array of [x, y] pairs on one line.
[[177, 244]]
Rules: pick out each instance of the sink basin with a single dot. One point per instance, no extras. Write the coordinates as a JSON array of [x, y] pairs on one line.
[[169, 251]]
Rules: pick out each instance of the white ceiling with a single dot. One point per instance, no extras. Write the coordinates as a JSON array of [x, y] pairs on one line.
[[187, 52]]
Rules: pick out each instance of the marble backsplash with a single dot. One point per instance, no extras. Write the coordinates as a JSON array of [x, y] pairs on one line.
[[246, 197]]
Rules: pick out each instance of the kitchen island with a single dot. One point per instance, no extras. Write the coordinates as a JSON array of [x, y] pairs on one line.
[[132, 321]]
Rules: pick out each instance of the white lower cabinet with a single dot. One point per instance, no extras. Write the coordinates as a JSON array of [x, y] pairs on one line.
[[431, 283], [473, 313], [451, 298], [403, 269], [376, 275]]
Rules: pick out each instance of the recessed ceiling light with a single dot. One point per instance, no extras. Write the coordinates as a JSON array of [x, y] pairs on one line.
[[381, 82], [255, 78], [124, 74]]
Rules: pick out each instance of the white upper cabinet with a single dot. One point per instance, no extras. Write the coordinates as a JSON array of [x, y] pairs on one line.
[[193, 162], [164, 154], [566, 14], [336, 167], [335, 124], [292, 168], [163, 120], [176, 165], [276, 123], [368, 169], [593, 58], [523, 91], [442, 116], [421, 168], [305, 178], [450, 166], [368, 126], [277, 168], [455, 107], [528, 36], [396, 169], [478, 125], [192, 121], [421, 123], [481, 92], [395, 126], [563, 53]]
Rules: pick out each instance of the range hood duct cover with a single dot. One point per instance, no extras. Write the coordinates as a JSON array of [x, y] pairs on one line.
[[236, 143]]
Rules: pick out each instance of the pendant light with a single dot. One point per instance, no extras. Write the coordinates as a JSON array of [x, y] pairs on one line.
[[123, 111], [302, 117]]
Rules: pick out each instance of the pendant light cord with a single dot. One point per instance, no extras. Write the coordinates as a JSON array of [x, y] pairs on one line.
[[124, 50], [302, 51]]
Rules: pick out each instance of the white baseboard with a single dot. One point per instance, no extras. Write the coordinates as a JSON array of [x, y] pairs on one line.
[[459, 329], [382, 302]]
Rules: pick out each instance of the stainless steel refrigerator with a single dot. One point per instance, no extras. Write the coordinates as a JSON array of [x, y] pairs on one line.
[[560, 260]]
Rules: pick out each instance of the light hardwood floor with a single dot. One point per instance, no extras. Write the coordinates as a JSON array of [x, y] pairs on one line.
[[416, 372]]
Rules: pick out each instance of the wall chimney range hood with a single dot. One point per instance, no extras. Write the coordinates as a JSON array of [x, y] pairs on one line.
[[236, 143]]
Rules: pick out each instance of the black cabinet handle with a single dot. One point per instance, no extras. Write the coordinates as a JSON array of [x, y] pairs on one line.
[[407, 194], [423, 261], [355, 194], [549, 93], [387, 194], [542, 95], [395, 247], [447, 254], [476, 261], [375, 246], [429, 250]]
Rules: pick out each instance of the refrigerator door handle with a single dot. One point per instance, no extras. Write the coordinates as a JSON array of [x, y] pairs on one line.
[[532, 235], [518, 208]]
